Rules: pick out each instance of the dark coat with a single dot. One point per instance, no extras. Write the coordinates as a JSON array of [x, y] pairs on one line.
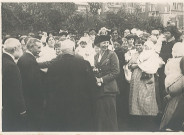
[[106, 115], [121, 77], [70, 104], [119, 40], [165, 54], [182, 65], [31, 80], [109, 71], [12, 96], [166, 50], [123, 98]]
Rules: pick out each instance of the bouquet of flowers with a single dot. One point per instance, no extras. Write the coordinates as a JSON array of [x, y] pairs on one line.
[[97, 73]]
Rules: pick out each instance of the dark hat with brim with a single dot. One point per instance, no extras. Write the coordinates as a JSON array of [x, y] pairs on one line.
[[171, 29], [129, 36], [101, 38]]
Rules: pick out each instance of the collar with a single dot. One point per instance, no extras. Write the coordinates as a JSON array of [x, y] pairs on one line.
[[10, 55], [171, 39], [29, 52]]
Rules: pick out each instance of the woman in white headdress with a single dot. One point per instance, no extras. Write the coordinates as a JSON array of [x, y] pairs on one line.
[[85, 50], [47, 53]]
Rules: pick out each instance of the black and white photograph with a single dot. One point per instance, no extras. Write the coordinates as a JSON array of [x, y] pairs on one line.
[[92, 66]]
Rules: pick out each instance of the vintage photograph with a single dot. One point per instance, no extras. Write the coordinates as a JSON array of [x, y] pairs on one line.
[[92, 66]]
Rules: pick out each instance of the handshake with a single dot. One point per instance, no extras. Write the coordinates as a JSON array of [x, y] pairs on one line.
[[99, 80]]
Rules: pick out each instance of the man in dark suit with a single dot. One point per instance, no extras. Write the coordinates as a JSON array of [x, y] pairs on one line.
[[70, 97], [31, 80], [14, 109]]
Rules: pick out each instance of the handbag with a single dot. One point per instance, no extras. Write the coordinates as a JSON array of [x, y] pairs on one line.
[[177, 87], [127, 72]]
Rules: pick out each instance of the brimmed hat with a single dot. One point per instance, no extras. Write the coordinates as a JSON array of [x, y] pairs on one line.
[[129, 36], [101, 38]]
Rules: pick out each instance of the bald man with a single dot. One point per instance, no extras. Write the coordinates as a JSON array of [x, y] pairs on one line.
[[14, 109], [71, 85]]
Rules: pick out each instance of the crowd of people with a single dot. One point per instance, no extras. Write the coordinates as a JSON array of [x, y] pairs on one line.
[[103, 81]]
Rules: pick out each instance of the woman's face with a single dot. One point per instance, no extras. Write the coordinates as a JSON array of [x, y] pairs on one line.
[[83, 44], [126, 32], [104, 45], [131, 41], [167, 35], [51, 42], [139, 47], [117, 45], [115, 34], [97, 49], [58, 50], [103, 32]]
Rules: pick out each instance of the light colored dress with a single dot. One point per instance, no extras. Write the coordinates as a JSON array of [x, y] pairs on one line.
[[46, 54], [87, 53], [172, 71], [142, 97], [174, 111], [149, 61]]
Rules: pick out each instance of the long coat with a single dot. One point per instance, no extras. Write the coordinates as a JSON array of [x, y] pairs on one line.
[[70, 97], [12, 96], [105, 108], [109, 71], [32, 87], [124, 86], [165, 54]]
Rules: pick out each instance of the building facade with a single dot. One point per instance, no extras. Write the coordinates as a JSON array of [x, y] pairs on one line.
[[170, 13]]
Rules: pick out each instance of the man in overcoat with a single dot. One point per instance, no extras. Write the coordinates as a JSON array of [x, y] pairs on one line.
[[70, 97], [31, 80], [13, 103]]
